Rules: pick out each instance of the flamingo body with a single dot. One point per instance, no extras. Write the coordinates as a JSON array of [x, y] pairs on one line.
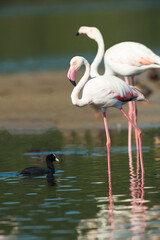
[[110, 91], [129, 59], [125, 58], [102, 91]]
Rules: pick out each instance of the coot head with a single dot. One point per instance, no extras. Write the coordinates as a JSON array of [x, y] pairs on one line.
[[39, 171], [51, 158]]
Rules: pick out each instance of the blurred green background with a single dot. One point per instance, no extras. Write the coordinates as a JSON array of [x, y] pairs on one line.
[[40, 35]]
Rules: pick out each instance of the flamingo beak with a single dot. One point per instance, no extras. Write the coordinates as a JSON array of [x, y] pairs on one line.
[[73, 82], [71, 75]]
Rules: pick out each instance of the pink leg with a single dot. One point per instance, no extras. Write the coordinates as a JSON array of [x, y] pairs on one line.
[[108, 143], [135, 106], [130, 130], [139, 133], [137, 166], [135, 121], [130, 113], [110, 207]]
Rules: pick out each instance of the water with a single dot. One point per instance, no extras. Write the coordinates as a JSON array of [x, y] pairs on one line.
[[42, 36], [80, 201]]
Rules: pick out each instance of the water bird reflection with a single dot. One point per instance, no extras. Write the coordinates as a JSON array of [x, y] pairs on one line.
[[51, 179]]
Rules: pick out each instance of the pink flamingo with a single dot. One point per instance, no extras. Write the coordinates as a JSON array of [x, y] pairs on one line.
[[126, 59], [103, 92]]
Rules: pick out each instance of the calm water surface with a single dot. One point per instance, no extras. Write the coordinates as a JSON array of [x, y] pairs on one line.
[[42, 36], [80, 201]]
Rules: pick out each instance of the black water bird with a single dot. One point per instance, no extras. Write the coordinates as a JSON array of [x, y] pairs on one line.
[[39, 171]]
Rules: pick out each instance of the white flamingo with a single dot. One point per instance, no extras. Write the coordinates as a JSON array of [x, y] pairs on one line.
[[103, 92], [126, 59]]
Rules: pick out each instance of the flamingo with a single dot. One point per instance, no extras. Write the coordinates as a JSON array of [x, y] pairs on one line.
[[126, 59], [103, 92]]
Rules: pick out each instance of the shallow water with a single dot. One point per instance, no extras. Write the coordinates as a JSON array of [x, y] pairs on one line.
[[80, 201]]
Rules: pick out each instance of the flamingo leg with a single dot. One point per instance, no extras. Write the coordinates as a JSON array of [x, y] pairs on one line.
[[110, 207], [135, 121], [137, 166], [139, 133], [108, 143], [130, 113]]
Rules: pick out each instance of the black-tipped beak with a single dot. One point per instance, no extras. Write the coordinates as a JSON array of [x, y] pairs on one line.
[[73, 82], [77, 34]]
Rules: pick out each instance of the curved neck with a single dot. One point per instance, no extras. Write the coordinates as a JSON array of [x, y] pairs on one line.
[[99, 56], [74, 96]]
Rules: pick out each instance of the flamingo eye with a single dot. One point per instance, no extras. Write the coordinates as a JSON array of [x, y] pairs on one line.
[[74, 63]]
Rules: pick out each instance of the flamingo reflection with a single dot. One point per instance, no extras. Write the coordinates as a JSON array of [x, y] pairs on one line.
[[138, 214], [138, 209], [111, 204], [115, 217]]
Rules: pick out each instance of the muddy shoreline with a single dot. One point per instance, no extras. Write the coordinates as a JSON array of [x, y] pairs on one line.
[[42, 100]]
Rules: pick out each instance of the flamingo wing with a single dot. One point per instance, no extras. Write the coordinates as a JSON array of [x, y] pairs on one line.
[[128, 97], [124, 92], [131, 53]]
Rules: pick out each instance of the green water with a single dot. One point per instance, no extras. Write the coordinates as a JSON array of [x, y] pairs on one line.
[[79, 202], [42, 36]]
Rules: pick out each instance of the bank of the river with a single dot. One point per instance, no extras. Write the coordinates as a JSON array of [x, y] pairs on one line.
[[42, 100]]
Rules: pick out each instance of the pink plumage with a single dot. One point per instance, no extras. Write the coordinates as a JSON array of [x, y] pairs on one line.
[[103, 92], [125, 59]]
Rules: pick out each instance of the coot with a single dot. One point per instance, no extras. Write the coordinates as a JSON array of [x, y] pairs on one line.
[[39, 171]]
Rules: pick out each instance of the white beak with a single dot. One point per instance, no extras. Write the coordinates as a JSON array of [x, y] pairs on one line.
[[56, 159]]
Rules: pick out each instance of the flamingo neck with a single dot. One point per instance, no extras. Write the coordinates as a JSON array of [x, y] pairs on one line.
[[74, 96], [108, 70], [95, 64]]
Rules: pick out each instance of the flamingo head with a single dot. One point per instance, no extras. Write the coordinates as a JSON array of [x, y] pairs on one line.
[[91, 32], [75, 64]]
